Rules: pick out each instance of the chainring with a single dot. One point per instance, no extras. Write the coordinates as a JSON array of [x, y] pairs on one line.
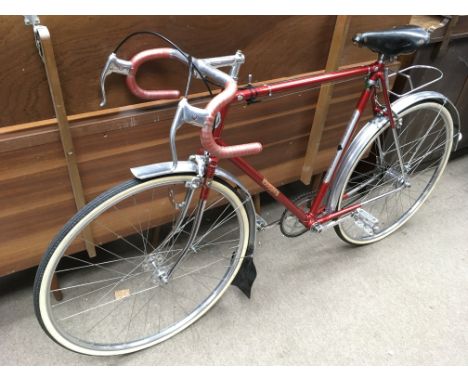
[[290, 225]]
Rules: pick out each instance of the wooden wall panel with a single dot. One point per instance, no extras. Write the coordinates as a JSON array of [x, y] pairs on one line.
[[35, 196], [24, 94], [275, 46], [82, 44], [363, 24]]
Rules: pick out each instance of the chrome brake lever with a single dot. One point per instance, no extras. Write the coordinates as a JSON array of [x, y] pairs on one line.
[[113, 65]]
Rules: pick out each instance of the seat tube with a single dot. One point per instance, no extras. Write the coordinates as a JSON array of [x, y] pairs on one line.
[[383, 80], [345, 140], [384, 84], [350, 128]]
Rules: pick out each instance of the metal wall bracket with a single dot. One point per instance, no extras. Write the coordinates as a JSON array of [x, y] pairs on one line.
[[441, 49], [46, 51], [31, 20]]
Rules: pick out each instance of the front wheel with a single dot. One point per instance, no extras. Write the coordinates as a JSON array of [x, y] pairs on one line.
[[121, 300], [389, 190]]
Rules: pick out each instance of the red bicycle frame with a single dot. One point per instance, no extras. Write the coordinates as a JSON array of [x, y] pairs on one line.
[[375, 72]]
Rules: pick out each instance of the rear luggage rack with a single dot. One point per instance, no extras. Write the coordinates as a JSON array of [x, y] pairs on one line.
[[409, 72]]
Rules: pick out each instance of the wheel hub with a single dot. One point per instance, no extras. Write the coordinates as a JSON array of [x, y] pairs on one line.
[[155, 263], [399, 179]]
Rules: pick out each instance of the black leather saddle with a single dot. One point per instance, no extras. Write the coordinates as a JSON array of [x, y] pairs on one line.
[[403, 39]]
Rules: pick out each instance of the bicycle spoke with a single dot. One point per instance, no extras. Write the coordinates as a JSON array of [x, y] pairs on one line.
[[121, 298], [389, 190]]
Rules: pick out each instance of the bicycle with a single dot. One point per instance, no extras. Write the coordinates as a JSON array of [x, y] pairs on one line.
[[171, 240]]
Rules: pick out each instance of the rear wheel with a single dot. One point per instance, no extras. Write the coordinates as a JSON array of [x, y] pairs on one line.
[[122, 300], [389, 193]]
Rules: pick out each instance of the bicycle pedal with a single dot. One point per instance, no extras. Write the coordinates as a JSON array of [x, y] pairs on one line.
[[366, 221], [263, 225], [260, 223]]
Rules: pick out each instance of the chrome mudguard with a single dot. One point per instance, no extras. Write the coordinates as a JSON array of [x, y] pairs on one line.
[[412, 99], [372, 127], [190, 167], [159, 169]]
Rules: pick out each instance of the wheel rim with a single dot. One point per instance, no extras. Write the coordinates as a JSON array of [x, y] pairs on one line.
[[425, 138], [110, 305]]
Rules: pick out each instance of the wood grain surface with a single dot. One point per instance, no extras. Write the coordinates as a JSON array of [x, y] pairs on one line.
[[35, 195], [275, 46]]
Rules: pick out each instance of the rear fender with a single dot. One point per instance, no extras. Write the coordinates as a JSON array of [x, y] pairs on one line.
[[370, 129]]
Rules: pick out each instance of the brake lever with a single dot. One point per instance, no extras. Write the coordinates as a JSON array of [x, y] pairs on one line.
[[113, 65]]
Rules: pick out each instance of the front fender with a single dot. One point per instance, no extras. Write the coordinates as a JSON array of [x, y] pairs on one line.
[[156, 170], [190, 167], [371, 128]]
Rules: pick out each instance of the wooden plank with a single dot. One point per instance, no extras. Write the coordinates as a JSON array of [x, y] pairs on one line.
[[47, 53], [55, 285], [352, 53], [441, 26], [79, 62], [443, 46], [427, 22], [303, 41], [129, 110], [105, 155], [108, 142], [340, 35], [257, 203]]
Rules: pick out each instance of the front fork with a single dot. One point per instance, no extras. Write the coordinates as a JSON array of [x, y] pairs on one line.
[[206, 170], [203, 181]]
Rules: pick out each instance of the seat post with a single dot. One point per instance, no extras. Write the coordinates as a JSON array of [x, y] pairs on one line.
[[385, 58]]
